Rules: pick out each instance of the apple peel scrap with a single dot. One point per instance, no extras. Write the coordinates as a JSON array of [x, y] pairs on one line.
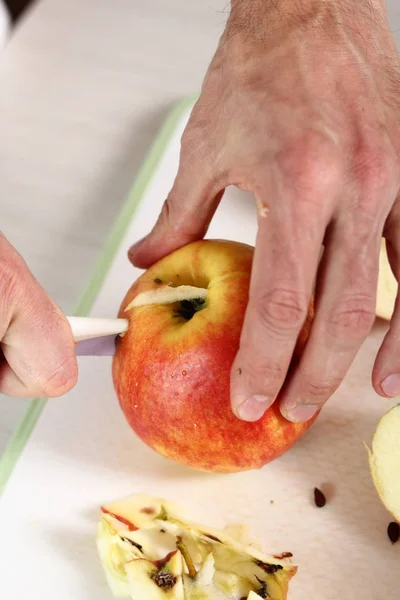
[[384, 461], [149, 552], [168, 295]]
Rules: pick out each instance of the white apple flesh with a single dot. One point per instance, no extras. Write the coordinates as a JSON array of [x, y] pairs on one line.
[[149, 552], [387, 287], [384, 460]]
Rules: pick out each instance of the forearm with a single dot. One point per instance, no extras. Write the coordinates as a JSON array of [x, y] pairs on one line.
[[249, 8]]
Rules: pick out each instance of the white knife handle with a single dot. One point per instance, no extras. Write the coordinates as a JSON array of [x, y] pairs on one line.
[[87, 328]]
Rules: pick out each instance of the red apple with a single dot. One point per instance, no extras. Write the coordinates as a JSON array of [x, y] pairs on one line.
[[172, 368]]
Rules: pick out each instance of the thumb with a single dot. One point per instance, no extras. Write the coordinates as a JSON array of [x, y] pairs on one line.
[[186, 213], [37, 347]]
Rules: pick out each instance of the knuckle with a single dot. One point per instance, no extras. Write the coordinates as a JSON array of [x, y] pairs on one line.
[[48, 320], [167, 210], [263, 376], [176, 221], [191, 138], [9, 280], [317, 392], [62, 379], [377, 165], [312, 165], [281, 310], [352, 318], [195, 141], [199, 146]]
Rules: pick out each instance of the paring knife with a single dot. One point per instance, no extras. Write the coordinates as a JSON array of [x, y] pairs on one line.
[[95, 336]]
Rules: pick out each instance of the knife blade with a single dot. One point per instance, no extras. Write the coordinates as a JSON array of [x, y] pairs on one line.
[[101, 346]]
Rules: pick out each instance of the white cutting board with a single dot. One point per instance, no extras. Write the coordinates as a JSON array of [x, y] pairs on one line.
[[82, 453]]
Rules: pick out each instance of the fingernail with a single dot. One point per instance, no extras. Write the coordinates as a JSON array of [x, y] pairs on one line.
[[253, 408], [300, 413], [391, 385]]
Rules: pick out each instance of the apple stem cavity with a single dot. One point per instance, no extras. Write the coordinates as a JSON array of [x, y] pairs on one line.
[[186, 557], [188, 308]]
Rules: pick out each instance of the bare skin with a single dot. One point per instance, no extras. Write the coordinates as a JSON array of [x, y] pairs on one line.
[[301, 107], [38, 355]]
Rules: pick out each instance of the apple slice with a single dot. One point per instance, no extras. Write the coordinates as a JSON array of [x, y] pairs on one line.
[[158, 555], [384, 460], [387, 287], [138, 510], [115, 552], [253, 596], [166, 294]]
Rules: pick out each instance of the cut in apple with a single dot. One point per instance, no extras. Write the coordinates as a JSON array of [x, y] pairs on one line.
[[149, 552], [387, 287], [384, 460], [167, 294]]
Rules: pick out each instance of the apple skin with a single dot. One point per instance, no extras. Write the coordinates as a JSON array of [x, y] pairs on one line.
[[172, 376]]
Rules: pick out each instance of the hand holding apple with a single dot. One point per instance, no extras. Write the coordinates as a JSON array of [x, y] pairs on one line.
[[299, 108]]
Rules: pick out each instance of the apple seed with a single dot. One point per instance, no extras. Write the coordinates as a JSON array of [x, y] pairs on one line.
[[270, 569], [164, 579], [393, 532], [138, 546], [319, 498]]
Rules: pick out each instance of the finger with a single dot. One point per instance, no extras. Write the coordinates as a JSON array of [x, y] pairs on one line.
[[285, 261], [300, 188], [386, 371], [36, 338], [345, 313], [189, 208]]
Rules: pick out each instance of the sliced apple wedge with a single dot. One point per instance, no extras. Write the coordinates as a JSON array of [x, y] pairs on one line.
[[384, 460], [149, 552], [166, 294], [253, 596], [138, 510], [387, 287]]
